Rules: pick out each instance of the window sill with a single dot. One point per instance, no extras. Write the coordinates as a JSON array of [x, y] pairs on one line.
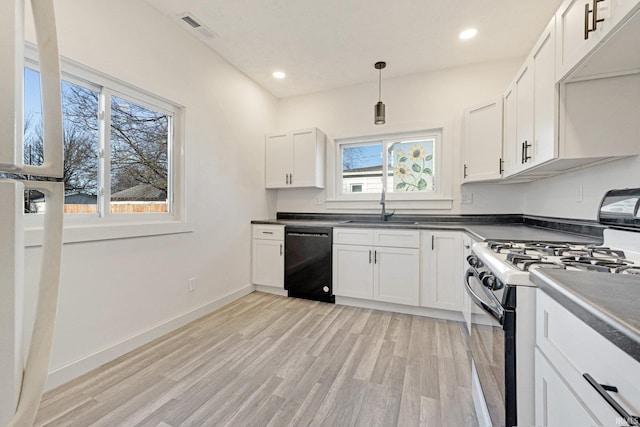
[[368, 204], [89, 233]]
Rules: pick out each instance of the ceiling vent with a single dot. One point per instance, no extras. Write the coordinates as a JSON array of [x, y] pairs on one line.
[[195, 24]]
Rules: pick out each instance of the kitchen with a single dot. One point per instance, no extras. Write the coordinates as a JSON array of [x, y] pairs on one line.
[[226, 118]]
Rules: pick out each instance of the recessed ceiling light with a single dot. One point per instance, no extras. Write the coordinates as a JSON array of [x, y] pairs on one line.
[[468, 34], [279, 75]]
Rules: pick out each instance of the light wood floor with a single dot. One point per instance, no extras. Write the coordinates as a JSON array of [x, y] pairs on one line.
[[267, 360]]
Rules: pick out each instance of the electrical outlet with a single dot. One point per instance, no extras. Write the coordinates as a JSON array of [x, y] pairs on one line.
[[192, 284], [466, 198], [319, 199], [580, 193]]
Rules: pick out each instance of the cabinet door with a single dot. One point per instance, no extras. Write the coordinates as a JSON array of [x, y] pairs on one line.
[[267, 265], [278, 160], [556, 403], [483, 142], [397, 275], [466, 301], [524, 116], [442, 277], [545, 99], [509, 151], [353, 271], [572, 47], [305, 169]]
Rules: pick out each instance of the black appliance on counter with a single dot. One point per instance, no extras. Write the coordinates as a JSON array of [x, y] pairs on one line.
[[307, 263]]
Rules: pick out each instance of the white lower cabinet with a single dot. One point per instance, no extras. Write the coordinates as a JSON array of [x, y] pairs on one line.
[[352, 271], [267, 256], [468, 307], [567, 350], [441, 270], [396, 275], [556, 402], [376, 272]]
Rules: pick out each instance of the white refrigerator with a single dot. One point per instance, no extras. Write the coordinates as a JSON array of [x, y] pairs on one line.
[[23, 376]]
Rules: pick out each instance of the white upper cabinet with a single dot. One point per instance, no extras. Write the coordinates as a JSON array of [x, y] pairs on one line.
[[295, 159], [551, 127], [579, 35], [530, 109], [482, 151]]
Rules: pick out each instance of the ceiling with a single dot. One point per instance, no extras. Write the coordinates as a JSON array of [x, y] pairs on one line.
[[327, 44]]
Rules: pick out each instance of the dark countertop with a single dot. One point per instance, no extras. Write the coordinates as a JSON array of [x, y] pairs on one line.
[[606, 302], [524, 233], [503, 232]]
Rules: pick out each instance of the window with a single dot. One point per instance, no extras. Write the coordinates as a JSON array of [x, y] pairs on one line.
[[356, 188], [408, 165], [118, 146], [413, 166]]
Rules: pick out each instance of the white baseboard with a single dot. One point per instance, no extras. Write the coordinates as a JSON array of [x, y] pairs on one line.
[[271, 290], [74, 369], [399, 308]]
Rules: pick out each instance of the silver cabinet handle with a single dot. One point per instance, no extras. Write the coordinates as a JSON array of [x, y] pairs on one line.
[[632, 420], [586, 21], [594, 18], [369, 256], [281, 249], [287, 179], [290, 178], [375, 257]]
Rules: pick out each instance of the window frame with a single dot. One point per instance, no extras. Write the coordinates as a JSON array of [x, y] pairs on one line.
[[440, 198], [104, 224]]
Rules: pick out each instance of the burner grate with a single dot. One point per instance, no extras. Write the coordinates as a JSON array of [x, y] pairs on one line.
[[526, 255]]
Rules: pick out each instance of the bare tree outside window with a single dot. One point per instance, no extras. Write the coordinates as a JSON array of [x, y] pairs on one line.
[[139, 151], [139, 156]]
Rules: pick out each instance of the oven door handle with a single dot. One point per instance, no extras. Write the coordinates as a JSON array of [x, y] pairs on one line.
[[478, 301]]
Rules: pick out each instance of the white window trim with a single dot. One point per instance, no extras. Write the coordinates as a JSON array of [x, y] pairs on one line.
[[92, 227], [440, 199]]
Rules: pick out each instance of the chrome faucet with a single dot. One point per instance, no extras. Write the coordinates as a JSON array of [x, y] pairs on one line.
[[384, 215]]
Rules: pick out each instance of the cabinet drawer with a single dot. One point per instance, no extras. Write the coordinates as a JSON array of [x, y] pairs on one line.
[[268, 232], [397, 238], [353, 236], [574, 349]]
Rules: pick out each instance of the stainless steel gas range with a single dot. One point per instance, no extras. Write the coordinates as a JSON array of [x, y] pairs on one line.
[[497, 281]]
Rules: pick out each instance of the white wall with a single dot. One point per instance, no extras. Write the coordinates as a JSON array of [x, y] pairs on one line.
[[415, 100], [115, 290], [559, 196]]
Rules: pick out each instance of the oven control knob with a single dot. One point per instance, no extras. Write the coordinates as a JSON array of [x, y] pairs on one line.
[[473, 261], [489, 281]]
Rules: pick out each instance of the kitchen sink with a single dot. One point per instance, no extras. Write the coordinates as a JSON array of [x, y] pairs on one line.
[[380, 223]]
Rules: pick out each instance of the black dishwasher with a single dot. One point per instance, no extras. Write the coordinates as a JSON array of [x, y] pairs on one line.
[[307, 263]]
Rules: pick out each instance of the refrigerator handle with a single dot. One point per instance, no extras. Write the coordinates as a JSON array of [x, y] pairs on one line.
[[37, 366], [45, 24]]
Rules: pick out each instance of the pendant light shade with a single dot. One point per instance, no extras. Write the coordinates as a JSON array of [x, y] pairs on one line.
[[378, 109], [379, 113]]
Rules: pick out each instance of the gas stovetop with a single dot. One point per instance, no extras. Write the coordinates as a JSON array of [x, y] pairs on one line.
[[525, 255], [511, 262]]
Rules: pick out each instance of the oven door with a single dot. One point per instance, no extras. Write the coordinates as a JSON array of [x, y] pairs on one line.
[[493, 350]]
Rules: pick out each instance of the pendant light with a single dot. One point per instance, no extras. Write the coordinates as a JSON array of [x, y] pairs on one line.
[[378, 109]]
